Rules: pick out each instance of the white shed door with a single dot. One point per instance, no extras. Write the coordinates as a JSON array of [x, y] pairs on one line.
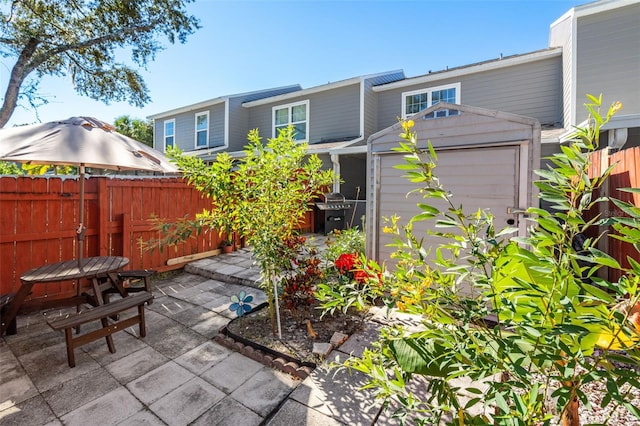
[[478, 178]]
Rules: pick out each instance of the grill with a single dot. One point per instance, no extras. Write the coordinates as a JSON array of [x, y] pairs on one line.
[[333, 208]]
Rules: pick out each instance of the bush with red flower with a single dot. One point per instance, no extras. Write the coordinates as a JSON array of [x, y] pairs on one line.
[[300, 277], [353, 281]]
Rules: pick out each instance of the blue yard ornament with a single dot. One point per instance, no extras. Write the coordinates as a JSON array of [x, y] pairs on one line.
[[240, 303]]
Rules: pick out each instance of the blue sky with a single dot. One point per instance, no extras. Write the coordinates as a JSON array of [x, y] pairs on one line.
[[252, 45]]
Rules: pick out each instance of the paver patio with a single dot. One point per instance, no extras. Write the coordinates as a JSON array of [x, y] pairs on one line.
[[176, 375]]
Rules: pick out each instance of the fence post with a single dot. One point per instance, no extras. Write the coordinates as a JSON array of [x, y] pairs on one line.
[[103, 217], [126, 235]]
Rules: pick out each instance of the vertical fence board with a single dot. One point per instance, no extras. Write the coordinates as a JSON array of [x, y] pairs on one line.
[[8, 213], [625, 174], [39, 216]]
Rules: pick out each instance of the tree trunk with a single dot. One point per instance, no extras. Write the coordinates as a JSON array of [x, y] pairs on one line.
[[18, 74], [570, 415]]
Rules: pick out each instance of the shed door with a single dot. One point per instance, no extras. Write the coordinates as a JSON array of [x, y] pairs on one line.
[[478, 178]]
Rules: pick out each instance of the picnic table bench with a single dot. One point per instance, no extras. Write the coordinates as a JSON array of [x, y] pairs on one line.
[[102, 313]]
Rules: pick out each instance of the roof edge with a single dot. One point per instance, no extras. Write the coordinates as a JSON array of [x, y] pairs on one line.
[[477, 67], [317, 89], [464, 108], [215, 101]]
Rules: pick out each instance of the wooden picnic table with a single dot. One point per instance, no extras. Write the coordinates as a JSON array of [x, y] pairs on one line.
[[92, 268]]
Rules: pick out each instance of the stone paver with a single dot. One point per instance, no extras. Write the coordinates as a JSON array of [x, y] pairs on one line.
[[294, 413], [159, 382], [336, 393], [176, 375], [203, 357], [229, 412], [74, 393], [187, 402], [264, 391], [109, 409], [136, 364], [232, 372]]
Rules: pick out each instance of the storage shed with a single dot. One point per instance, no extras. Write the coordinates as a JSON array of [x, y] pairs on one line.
[[486, 160]]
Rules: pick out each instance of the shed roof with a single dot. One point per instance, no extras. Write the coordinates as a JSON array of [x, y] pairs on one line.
[[472, 126]]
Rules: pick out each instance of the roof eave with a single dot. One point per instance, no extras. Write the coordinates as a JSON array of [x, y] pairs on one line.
[[473, 69]]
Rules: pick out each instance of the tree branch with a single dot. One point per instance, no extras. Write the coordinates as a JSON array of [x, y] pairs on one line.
[[18, 73]]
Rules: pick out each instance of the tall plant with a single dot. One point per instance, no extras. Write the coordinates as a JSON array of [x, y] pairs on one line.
[[277, 181], [264, 195], [556, 326]]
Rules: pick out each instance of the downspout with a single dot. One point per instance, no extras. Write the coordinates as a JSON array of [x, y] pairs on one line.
[[617, 139], [335, 160]]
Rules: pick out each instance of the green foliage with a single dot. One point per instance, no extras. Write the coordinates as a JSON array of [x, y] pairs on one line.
[[300, 277], [526, 318], [83, 41], [277, 181], [350, 240], [350, 281], [7, 168], [43, 169], [135, 128], [264, 196], [220, 184]]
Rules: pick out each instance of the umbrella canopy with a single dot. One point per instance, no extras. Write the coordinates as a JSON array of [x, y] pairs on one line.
[[82, 142]]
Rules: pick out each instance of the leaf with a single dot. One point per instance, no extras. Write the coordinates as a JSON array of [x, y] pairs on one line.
[[421, 356], [602, 258]]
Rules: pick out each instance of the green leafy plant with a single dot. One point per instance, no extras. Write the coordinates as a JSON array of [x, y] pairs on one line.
[[9, 169], [300, 277], [350, 240], [526, 319], [350, 281], [264, 196]]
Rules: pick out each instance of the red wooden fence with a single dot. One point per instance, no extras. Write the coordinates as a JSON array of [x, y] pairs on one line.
[[626, 174], [38, 217]]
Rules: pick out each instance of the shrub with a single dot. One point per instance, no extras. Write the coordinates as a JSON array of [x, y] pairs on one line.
[[552, 331]]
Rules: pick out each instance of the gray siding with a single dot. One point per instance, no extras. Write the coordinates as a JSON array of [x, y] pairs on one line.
[[238, 125], [185, 124], [608, 58], [476, 148], [481, 178], [561, 35], [332, 114], [370, 110], [533, 89]]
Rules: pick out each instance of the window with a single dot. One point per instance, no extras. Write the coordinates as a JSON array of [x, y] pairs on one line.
[[418, 100], [202, 129], [294, 114], [169, 133]]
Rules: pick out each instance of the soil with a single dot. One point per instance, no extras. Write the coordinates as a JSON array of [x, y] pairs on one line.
[[297, 341]]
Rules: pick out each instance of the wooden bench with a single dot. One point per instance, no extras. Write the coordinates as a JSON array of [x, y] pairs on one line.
[[102, 313], [133, 278], [12, 327]]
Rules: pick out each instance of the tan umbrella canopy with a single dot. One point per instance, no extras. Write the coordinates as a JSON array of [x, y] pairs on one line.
[[82, 142]]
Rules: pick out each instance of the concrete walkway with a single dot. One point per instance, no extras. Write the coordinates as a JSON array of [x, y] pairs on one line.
[[176, 375]]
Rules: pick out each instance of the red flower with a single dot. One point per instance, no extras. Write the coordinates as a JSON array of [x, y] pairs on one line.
[[361, 276], [345, 262]]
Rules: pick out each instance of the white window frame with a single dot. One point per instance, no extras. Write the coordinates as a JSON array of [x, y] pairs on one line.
[[195, 141], [164, 132], [274, 132], [429, 91]]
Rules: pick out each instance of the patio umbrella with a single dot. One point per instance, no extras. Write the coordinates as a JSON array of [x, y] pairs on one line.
[[81, 142]]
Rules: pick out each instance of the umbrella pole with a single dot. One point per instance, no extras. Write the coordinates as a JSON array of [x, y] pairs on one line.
[[81, 227]]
